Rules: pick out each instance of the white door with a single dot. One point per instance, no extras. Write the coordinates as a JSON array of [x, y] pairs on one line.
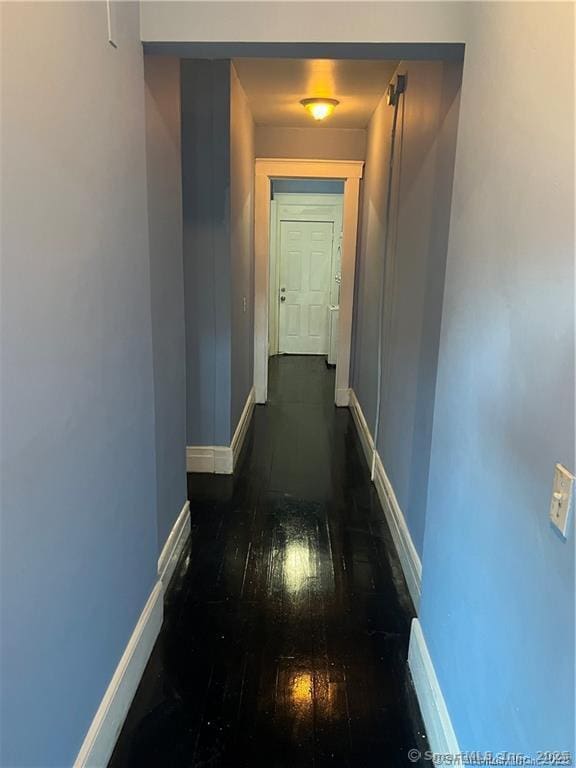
[[305, 272]]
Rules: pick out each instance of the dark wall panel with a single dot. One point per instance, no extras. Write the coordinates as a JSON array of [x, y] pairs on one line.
[[162, 78], [205, 94]]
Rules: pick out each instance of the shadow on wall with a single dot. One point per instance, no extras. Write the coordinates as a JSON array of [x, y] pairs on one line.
[[162, 79], [414, 276], [218, 182]]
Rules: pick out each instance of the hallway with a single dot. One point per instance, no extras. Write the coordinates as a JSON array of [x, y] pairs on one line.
[[286, 626], [149, 151]]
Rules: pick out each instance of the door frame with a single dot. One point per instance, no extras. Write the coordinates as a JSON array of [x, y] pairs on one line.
[[297, 206], [266, 169]]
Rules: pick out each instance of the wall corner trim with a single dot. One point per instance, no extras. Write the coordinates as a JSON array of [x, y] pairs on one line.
[[409, 558], [441, 735], [174, 545], [342, 398], [100, 740], [222, 459]]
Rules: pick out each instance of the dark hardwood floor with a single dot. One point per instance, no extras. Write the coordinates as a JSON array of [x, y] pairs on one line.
[[286, 624]]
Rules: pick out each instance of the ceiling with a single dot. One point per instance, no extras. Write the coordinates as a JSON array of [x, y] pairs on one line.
[[274, 88]]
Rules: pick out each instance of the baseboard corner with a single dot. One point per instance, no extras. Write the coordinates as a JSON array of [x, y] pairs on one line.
[[103, 732], [200, 458], [222, 459], [439, 730]]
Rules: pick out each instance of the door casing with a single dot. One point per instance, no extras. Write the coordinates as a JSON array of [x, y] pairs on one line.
[[349, 171]]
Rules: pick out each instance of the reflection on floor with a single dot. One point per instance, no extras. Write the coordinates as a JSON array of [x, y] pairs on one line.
[[286, 624]]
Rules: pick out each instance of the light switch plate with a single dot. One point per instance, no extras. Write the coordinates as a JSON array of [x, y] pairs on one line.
[[561, 498]]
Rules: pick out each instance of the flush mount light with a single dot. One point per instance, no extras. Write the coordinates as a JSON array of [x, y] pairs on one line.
[[320, 108]]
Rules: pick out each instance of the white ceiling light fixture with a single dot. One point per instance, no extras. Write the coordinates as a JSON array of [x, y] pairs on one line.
[[320, 108]]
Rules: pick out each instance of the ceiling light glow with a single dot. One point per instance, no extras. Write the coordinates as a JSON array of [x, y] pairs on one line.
[[320, 108]]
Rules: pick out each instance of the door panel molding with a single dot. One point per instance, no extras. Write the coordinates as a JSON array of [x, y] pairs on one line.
[[305, 268]]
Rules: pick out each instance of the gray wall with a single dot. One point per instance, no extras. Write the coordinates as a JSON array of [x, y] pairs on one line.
[[77, 489], [218, 203], [78, 492], [241, 246], [422, 187], [498, 589], [162, 79], [205, 94], [369, 262], [305, 186], [326, 21], [317, 142], [497, 604]]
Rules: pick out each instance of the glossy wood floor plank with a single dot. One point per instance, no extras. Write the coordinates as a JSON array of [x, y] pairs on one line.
[[286, 624]]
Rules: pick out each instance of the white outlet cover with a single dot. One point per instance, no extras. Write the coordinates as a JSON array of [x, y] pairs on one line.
[[561, 501]]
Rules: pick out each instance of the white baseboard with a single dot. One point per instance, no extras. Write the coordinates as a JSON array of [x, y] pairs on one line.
[[409, 558], [213, 459], [174, 545], [362, 428], [242, 428], [101, 738], [407, 553], [439, 730], [221, 459], [342, 398], [200, 458]]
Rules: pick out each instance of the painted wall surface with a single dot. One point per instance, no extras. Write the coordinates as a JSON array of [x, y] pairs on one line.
[[205, 100], [162, 79], [399, 21], [369, 262], [241, 246], [414, 279], [307, 186], [497, 605], [78, 491], [218, 203], [315, 143], [498, 583]]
